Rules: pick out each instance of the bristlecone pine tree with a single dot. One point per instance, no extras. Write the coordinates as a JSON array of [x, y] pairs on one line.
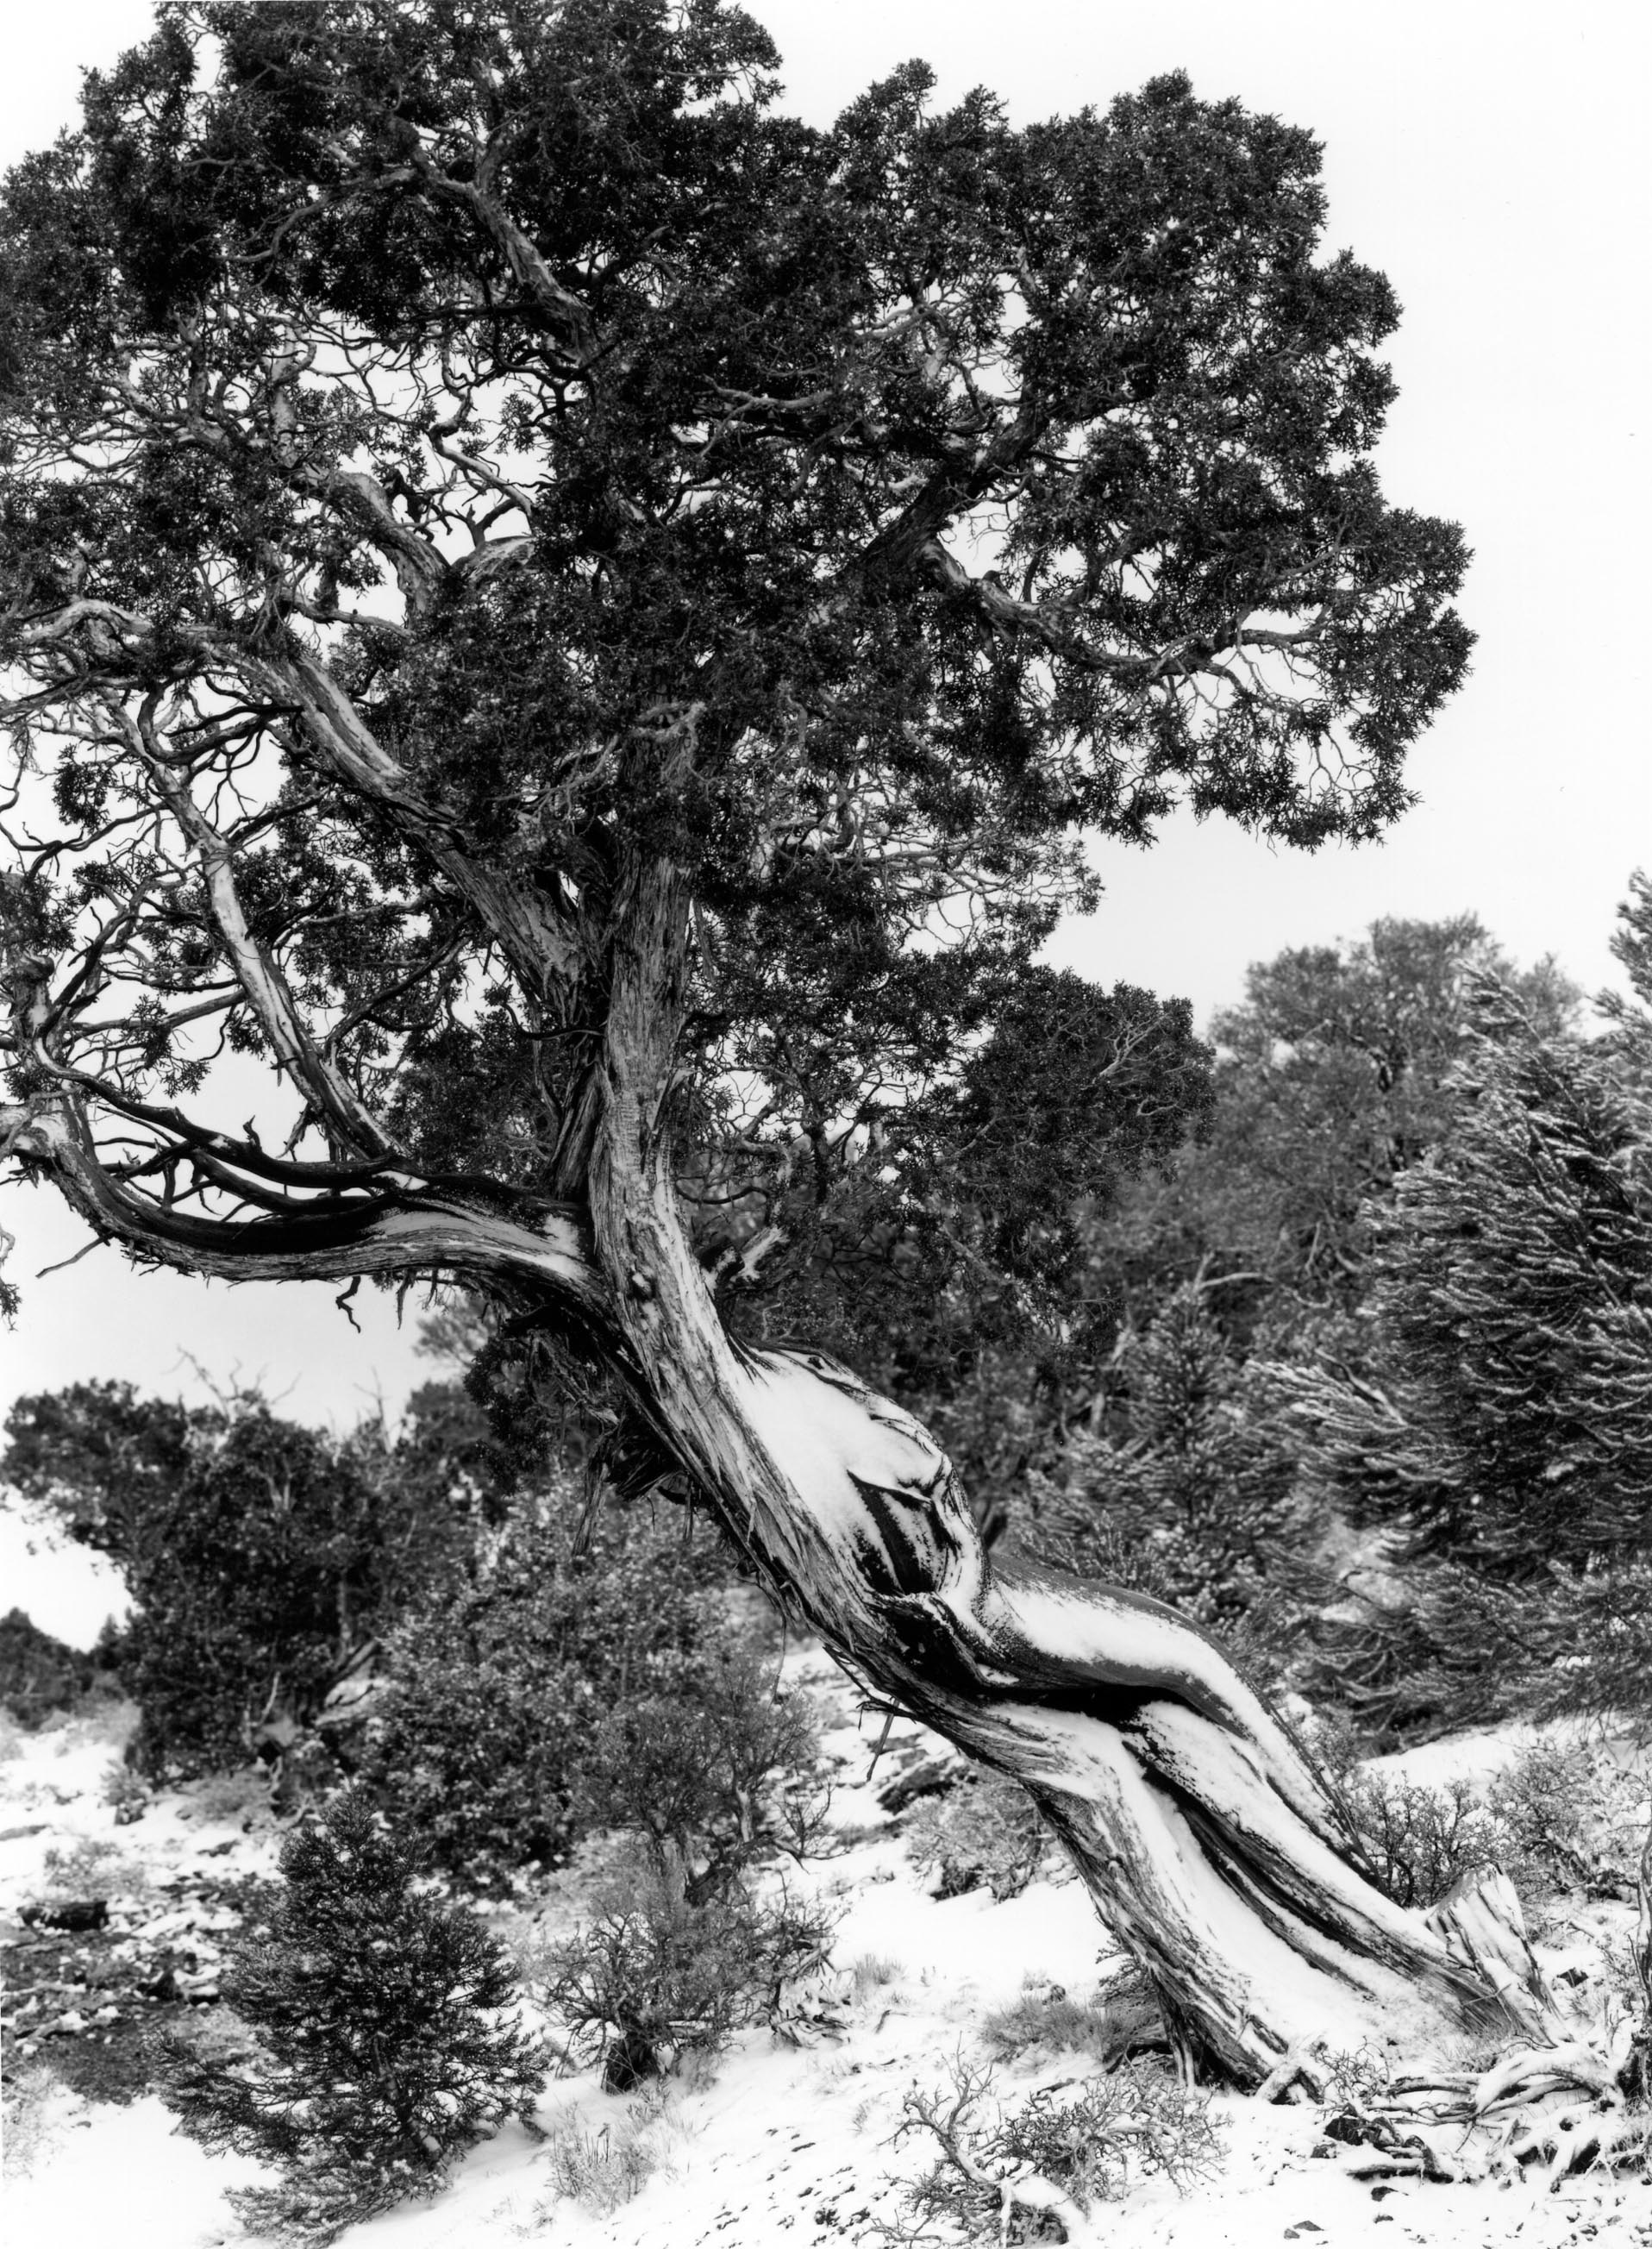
[[576, 619], [1495, 1408], [387, 2041], [1501, 1412]]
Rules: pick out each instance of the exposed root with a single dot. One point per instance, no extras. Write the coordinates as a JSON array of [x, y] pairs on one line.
[[1301, 2072], [1008, 2176], [1538, 2112]]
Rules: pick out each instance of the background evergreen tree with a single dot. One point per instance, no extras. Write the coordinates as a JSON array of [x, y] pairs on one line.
[[38, 1673], [1490, 1407], [1501, 1409], [261, 1556], [496, 1687], [1331, 1076], [386, 2037], [1184, 1489]]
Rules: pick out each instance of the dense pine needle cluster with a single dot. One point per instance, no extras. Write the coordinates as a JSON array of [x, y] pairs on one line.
[[386, 2036], [1503, 1410]]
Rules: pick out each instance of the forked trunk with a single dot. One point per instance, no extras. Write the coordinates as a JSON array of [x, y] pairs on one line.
[[1194, 1819]]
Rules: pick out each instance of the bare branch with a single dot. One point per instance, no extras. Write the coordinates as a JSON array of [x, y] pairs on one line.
[[256, 968], [396, 1228], [520, 920]]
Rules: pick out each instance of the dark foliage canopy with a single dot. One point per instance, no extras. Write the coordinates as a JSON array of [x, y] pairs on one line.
[[38, 1673], [386, 2041], [259, 1555], [460, 464], [1498, 1405]]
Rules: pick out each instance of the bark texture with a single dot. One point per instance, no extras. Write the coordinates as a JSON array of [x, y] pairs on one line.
[[1194, 1819], [483, 510]]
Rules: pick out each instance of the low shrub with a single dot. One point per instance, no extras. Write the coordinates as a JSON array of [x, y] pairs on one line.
[[384, 2031], [604, 2169], [126, 1791], [1417, 1842], [711, 1765], [1570, 1818], [872, 1973], [26, 2103], [1120, 2019], [1564, 1817], [704, 1774], [1411, 1840], [230, 1799], [653, 1975], [500, 1689], [80, 1880], [984, 1833], [1003, 2176]]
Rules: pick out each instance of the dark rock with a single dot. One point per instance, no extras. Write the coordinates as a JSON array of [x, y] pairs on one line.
[[934, 1777], [79, 1914], [629, 2062]]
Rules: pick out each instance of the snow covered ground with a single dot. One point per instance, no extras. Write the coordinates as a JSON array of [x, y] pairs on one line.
[[785, 2143]]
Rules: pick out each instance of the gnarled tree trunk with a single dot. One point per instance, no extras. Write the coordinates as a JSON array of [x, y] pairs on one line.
[[1195, 1821], [668, 461]]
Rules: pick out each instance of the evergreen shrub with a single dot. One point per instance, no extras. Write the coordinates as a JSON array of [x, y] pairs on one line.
[[711, 1766], [654, 1974], [484, 1738], [1186, 1492], [259, 1555], [703, 1779], [386, 2037], [984, 1833]]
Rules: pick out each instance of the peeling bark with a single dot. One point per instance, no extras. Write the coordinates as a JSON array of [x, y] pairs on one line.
[[1198, 1826], [1195, 1822]]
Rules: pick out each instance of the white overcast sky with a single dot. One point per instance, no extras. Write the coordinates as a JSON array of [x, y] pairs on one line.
[[1492, 159]]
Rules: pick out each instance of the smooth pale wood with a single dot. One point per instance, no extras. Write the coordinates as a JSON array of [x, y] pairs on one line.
[[1191, 1816], [1194, 1819]]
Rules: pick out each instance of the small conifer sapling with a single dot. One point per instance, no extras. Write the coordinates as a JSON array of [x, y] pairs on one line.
[[386, 2037]]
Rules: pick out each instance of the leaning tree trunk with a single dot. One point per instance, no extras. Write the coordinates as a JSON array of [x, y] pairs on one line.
[[1194, 1820]]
